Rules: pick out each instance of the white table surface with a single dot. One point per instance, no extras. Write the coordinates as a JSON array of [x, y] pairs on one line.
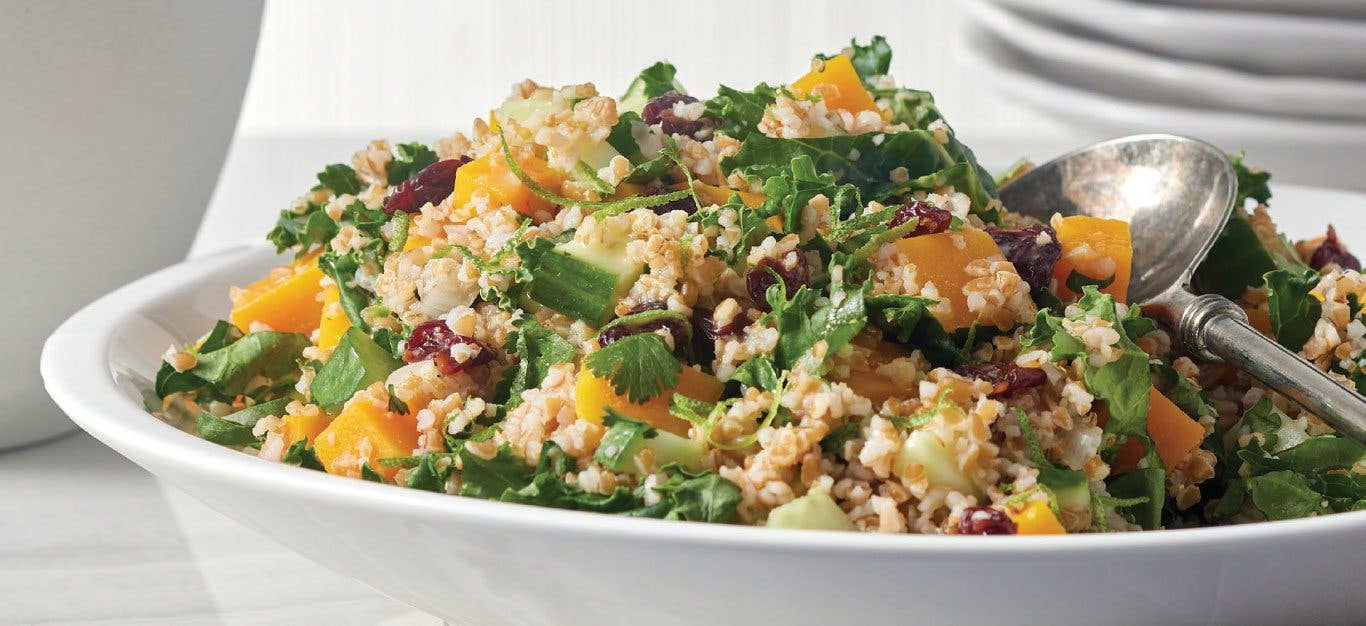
[[88, 537]]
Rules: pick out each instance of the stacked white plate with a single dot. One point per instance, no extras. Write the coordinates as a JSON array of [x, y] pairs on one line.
[[1284, 80]]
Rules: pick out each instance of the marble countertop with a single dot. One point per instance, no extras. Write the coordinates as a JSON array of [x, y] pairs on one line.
[[89, 537]]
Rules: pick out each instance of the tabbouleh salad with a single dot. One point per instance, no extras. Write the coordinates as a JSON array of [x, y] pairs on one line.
[[799, 305]]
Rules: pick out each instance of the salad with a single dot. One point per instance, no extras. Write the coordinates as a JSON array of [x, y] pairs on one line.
[[797, 306]]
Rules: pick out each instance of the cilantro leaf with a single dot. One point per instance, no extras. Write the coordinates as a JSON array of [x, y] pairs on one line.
[[639, 366], [1294, 311]]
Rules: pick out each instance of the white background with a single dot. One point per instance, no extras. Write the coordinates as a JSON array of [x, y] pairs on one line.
[[369, 68]]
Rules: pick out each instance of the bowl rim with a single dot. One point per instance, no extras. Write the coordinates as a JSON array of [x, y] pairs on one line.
[[76, 369]]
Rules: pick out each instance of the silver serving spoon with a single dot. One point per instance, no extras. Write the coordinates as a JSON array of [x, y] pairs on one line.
[[1177, 193]]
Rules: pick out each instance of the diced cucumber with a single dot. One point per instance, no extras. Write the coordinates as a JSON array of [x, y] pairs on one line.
[[1071, 488], [525, 109], [627, 437], [813, 511], [925, 449], [356, 363], [599, 156], [580, 289]]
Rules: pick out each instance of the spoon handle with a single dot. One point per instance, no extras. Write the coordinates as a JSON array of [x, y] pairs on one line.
[[1215, 327]]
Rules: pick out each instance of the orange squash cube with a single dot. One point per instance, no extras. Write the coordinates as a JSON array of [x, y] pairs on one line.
[[296, 427], [1174, 434], [838, 84], [491, 175], [1097, 248], [286, 300], [333, 322], [1035, 518], [942, 259], [593, 396], [711, 194], [363, 433]]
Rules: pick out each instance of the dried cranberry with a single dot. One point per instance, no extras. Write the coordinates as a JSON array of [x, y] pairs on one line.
[[1005, 378], [1332, 251], [434, 340], [704, 323], [1032, 258], [985, 520], [432, 184], [758, 279], [660, 110], [675, 326], [932, 220], [685, 204]]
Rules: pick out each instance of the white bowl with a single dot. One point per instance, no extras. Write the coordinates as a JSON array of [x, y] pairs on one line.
[[1261, 42], [477, 562], [1303, 151], [1125, 72]]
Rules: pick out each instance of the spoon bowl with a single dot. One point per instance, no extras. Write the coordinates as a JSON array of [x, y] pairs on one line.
[[1176, 194]]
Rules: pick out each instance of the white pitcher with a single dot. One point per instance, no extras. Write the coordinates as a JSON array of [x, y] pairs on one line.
[[114, 121]]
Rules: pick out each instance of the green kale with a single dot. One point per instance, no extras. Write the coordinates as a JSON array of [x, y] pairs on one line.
[[1294, 311], [411, 159], [870, 61], [300, 454], [652, 82], [227, 371], [235, 429], [340, 178], [537, 349], [740, 111], [907, 320]]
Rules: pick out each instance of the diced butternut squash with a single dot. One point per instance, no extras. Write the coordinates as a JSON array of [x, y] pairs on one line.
[[491, 175], [838, 84], [593, 396], [1035, 518], [363, 433], [1173, 432], [334, 322], [296, 427], [863, 377], [711, 194], [1097, 248], [1259, 318], [415, 241], [286, 300], [941, 259]]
